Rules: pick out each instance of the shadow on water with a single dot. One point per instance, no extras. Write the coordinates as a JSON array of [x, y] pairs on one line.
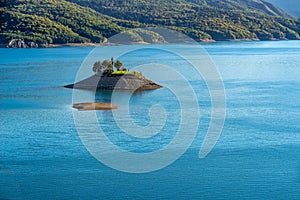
[[105, 95]]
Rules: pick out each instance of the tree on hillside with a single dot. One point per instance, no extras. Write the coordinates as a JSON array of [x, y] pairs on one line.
[[6, 2]]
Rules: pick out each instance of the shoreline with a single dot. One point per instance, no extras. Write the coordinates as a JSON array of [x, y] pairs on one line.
[[87, 44], [90, 44]]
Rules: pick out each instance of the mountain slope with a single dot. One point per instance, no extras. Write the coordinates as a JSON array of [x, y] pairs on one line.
[[56, 21], [290, 6], [245, 6], [205, 19], [62, 21]]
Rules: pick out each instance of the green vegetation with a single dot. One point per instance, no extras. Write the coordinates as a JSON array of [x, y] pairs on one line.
[[125, 72], [103, 67], [106, 68], [205, 19], [55, 21], [118, 65], [78, 21]]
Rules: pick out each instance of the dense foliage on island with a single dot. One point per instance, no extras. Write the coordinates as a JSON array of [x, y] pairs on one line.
[[79, 21]]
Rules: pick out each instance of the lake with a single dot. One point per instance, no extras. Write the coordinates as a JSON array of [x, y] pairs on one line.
[[256, 157]]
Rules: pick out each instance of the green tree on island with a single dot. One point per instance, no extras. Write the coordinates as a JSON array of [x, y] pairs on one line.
[[118, 65], [105, 67], [108, 64], [98, 67]]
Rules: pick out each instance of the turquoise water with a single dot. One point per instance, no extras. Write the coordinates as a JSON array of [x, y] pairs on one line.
[[257, 155]]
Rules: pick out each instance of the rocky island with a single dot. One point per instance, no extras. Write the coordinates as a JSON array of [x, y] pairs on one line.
[[94, 106], [106, 78]]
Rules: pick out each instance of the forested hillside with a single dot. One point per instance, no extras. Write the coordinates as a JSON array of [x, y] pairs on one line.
[[57, 21], [62, 21], [205, 19]]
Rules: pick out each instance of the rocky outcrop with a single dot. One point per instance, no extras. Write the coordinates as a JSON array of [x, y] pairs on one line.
[[115, 82], [20, 43], [94, 106]]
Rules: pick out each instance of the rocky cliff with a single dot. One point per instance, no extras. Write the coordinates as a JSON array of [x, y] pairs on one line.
[[20, 43], [115, 82]]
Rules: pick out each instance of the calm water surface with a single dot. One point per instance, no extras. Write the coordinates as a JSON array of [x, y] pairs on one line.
[[256, 157]]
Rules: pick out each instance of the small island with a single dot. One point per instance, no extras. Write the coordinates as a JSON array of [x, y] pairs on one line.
[[106, 78], [94, 106]]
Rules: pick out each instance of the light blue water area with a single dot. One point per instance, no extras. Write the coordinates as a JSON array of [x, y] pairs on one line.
[[257, 155]]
